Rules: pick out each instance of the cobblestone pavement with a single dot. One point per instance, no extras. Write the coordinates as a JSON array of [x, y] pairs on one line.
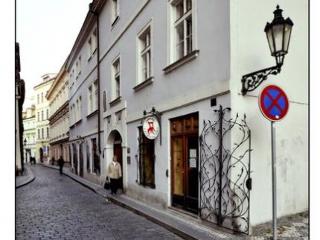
[[294, 227], [56, 207]]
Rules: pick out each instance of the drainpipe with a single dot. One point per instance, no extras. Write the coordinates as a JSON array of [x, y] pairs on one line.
[[96, 14]]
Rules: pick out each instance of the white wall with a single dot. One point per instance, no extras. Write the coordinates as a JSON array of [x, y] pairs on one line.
[[250, 52]]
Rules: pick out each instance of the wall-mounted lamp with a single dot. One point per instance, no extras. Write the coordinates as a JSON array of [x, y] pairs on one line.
[[278, 35]]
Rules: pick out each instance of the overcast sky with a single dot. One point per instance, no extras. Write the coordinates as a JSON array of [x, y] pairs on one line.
[[46, 31]]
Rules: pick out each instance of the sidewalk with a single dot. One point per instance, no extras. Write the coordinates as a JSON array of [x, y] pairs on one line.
[[189, 227], [26, 178]]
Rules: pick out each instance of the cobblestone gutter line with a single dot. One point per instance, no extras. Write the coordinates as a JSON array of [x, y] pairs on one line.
[[24, 180]]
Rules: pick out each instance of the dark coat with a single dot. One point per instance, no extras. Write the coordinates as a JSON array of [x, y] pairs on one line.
[[60, 161]]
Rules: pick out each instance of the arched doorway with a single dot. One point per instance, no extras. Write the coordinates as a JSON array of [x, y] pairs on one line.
[[114, 148]]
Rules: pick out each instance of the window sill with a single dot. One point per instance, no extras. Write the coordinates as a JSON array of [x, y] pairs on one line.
[[142, 85], [76, 123], [181, 61], [152, 186], [114, 22], [115, 101], [92, 113]]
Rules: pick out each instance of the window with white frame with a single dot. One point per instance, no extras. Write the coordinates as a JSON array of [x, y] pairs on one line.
[[89, 48], [93, 97], [95, 93], [80, 108], [104, 101], [114, 11], [90, 100], [182, 28], [78, 66], [72, 75], [77, 110], [42, 133], [144, 48], [38, 133], [116, 78], [73, 113], [92, 43]]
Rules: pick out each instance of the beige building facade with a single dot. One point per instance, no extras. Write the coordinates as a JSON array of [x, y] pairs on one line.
[[42, 116], [57, 97]]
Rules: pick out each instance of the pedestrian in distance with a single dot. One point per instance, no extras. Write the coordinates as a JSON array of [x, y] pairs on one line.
[[61, 163], [114, 173]]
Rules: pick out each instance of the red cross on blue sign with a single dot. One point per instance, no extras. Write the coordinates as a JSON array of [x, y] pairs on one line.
[[273, 103]]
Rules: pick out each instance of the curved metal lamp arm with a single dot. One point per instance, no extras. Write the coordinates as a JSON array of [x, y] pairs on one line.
[[253, 80]]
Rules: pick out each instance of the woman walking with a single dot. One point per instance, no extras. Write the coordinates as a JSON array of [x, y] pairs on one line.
[[114, 173]]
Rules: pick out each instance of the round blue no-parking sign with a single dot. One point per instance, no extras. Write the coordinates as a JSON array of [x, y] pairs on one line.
[[273, 103]]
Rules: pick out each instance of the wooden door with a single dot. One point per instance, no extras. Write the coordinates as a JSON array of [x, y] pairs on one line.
[[178, 171], [184, 162]]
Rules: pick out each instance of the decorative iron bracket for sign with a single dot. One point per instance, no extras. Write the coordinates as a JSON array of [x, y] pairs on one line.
[[157, 114], [253, 80]]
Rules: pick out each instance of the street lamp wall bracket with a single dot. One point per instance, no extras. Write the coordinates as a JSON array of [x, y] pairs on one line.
[[253, 80]]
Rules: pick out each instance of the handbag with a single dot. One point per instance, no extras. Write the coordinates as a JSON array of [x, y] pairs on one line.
[[107, 183]]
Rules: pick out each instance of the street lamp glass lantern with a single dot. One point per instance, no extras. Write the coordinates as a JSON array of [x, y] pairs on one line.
[[278, 35]]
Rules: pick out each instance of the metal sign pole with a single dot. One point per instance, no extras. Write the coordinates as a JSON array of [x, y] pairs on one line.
[[274, 180]]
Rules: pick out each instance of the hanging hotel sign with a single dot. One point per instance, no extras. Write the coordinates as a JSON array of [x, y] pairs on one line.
[[151, 127]]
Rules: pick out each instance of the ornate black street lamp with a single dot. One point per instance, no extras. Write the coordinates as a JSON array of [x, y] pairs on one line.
[[278, 35]]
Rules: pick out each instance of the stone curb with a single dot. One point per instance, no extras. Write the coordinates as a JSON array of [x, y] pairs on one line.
[[183, 233], [28, 180]]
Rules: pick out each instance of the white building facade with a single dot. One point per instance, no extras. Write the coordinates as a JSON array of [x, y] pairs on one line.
[[29, 133], [181, 62], [85, 129], [57, 97], [42, 117]]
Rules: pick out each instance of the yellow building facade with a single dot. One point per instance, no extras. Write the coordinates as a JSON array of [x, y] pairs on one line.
[[42, 117]]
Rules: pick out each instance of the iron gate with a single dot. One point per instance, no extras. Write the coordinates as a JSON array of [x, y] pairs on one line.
[[225, 181]]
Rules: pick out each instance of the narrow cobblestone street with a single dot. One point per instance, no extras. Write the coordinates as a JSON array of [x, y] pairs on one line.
[[56, 207]]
